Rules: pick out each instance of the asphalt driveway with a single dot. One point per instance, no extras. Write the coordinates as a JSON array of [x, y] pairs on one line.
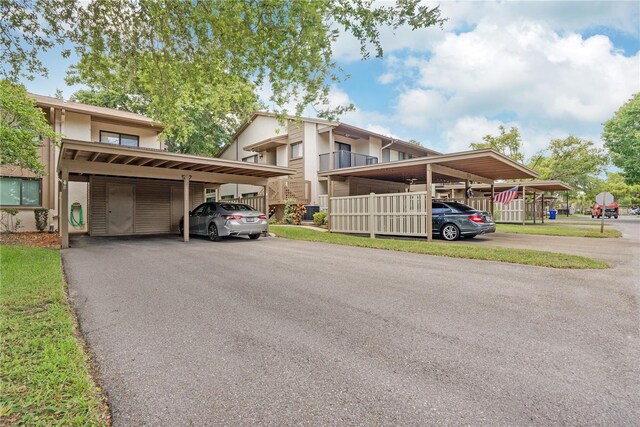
[[278, 332]]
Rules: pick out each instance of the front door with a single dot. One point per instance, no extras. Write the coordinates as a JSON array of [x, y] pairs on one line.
[[119, 208]]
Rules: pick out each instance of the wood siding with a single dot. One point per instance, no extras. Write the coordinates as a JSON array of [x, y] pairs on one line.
[[152, 204]]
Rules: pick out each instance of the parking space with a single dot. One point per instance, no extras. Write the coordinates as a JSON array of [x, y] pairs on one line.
[[289, 332]]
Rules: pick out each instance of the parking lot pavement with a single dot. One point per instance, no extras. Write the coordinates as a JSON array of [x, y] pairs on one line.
[[616, 251], [281, 332]]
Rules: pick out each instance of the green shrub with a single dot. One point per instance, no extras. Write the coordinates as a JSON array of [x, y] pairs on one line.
[[320, 218], [42, 218]]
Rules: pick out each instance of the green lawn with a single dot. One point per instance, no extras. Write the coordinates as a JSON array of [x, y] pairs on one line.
[[515, 256], [44, 372], [557, 230], [585, 223]]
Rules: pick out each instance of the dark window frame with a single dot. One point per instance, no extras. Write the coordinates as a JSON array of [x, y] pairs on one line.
[[120, 135], [22, 205]]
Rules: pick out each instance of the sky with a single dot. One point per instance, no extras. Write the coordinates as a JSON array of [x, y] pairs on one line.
[[551, 69]]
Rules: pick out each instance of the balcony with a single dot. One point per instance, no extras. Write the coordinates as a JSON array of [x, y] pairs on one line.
[[345, 159]]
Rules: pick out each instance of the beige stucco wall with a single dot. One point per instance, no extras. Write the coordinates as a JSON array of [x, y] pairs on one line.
[[260, 129], [77, 126], [148, 137]]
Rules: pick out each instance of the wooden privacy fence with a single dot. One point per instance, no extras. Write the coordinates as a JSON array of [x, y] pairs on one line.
[[398, 214], [510, 213], [405, 214], [256, 203]]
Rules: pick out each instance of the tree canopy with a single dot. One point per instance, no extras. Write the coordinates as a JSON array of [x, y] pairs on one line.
[[573, 160], [508, 143], [622, 137], [22, 126], [201, 60]]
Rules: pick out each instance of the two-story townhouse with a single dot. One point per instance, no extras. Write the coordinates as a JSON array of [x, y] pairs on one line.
[[309, 146], [23, 190], [113, 167]]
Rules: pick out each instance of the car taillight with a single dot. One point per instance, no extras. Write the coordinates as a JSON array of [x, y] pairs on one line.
[[228, 217], [475, 217], [262, 217]]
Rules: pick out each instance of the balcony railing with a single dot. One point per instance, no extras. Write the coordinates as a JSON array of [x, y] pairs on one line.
[[345, 159]]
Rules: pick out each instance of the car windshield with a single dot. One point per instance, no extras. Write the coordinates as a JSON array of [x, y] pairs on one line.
[[461, 207], [235, 207]]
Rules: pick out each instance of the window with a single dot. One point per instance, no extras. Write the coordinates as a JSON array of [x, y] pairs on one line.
[[342, 146], [199, 210], [235, 207], [20, 191], [296, 150], [228, 197], [119, 138], [249, 194], [386, 155], [209, 209], [251, 159]]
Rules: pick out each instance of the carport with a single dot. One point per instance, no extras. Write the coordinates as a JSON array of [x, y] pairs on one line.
[[480, 166], [531, 188], [135, 190]]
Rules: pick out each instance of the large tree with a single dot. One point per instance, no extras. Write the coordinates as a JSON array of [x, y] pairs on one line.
[[622, 137], [573, 160], [508, 143], [210, 57], [22, 127]]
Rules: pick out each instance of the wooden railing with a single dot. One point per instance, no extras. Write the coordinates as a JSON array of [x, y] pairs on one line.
[[256, 203], [282, 189], [323, 202]]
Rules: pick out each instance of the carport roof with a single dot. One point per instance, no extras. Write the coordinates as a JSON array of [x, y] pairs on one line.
[[95, 158], [485, 165]]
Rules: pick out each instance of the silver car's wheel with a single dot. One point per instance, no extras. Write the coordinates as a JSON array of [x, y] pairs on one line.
[[213, 232], [450, 232]]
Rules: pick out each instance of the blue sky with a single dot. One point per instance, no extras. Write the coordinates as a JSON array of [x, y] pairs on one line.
[[552, 69]]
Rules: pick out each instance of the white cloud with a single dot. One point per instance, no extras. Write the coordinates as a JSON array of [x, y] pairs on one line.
[[561, 16], [529, 69]]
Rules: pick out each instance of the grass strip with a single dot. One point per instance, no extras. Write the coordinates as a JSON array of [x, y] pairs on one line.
[[44, 376], [514, 256], [592, 223], [557, 230]]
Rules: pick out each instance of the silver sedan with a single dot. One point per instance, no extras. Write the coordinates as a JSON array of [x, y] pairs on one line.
[[219, 219]]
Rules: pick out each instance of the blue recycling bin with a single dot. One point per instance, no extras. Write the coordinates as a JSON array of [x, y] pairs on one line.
[[552, 214]]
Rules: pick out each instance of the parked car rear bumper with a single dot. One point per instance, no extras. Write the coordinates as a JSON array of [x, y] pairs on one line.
[[479, 229], [232, 228]]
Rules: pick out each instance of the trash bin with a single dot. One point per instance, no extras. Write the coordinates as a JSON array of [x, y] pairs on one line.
[[552, 214]]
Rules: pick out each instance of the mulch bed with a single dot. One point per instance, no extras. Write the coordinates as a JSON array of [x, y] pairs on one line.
[[41, 240]]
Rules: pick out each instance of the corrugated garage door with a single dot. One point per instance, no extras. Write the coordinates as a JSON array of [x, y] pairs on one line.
[[155, 211]]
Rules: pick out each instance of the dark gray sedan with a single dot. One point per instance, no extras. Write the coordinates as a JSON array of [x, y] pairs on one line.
[[219, 219], [451, 220]]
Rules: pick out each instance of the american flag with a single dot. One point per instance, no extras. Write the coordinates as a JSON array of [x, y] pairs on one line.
[[506, 196]]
